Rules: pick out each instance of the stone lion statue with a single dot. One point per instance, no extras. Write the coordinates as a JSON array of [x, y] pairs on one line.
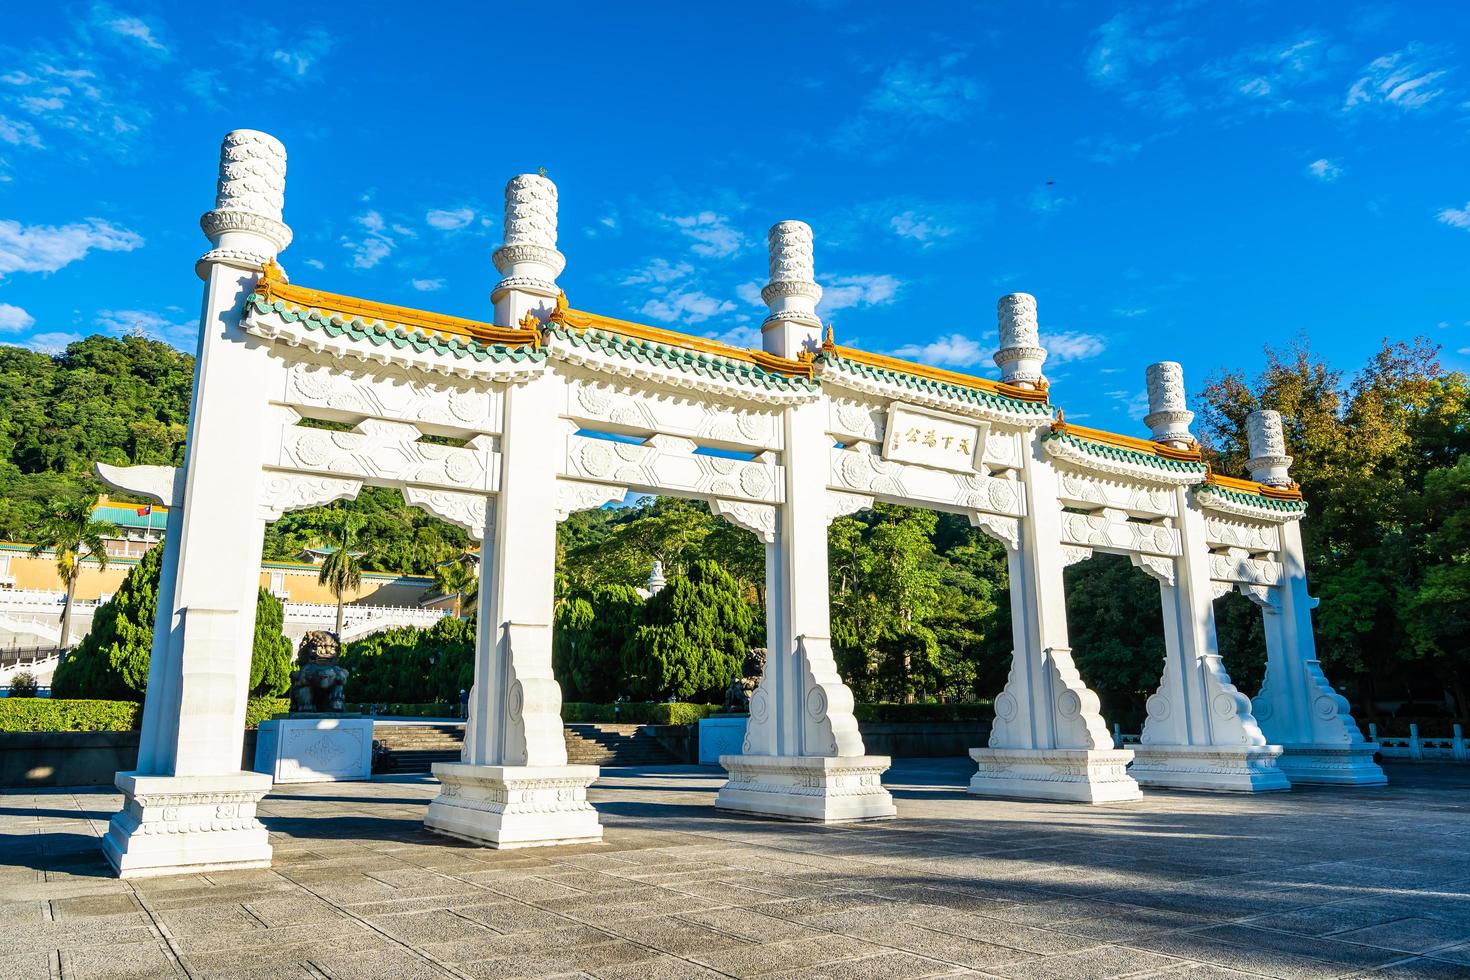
[[741, 689], [317, 682]]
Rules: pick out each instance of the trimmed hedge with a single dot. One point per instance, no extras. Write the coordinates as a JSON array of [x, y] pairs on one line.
[[258, 710], [637, 712], [67, 715], [955, 711]]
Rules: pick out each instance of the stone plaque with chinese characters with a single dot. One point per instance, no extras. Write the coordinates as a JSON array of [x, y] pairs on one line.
[[918, 435]]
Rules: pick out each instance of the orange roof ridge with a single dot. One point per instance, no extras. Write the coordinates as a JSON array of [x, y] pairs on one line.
[[1130, 442], [582, 320], [1293, 492], [933, 373], [273, 287]]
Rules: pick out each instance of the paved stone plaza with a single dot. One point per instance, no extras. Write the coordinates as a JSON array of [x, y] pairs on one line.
[[1315, 883]]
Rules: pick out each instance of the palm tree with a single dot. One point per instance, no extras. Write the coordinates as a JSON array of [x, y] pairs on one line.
[[71, 532], [460, 578], [342, 570]]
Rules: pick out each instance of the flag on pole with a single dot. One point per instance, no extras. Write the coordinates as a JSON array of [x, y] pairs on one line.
[[145, 511]]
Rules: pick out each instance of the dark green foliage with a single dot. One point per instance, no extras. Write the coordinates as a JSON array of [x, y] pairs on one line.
[[392, 536], [270, 655], [591, 630], [23, 684], [1241, 634], [954, 711], [637, 712], [259, 709], [112, 660], [693, 638], [1438, 614], [64, 715], [1115, 621], [411, 665]]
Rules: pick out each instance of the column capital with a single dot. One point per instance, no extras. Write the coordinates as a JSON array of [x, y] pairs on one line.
[[792, 293], [246, 227], [1269, 463], [1020, 355], [1168, 415]]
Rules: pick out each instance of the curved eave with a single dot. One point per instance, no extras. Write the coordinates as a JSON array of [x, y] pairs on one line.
[[1116, 461], [609, 352], [340, 335], [1226, 500], [845, 372]]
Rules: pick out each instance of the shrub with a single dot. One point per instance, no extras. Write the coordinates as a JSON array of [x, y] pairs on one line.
[[258, 710], [270, 654], [953, 711], [694, 636], [637, 712], [590, 631], [23, 685], [63, 715], [407, 665]]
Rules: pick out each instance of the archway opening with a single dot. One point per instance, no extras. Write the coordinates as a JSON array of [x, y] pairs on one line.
[[1115, 624]]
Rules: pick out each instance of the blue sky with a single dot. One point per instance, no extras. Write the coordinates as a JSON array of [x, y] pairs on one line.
[[1184, 180]]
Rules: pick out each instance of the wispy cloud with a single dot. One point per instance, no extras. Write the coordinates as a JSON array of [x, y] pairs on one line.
[[451, 219], [18, 132], [679, 306], [1456, 217], [1324, 170], [14, 319], [845, 292], [52, 342], [659, 271], [375, 245], [127, 26], [928, 90], [47, 248], [1408, 79], [925, 228], [296, 57], [1135, 403], [1070, 345], [1124, 47], [146, 323], [427, 285], [1108, 149], [954, 349], [713, 235]]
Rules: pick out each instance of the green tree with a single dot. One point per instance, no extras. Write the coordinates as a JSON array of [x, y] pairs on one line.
[[1438, 610], [1115, 623], [270, 654], [412, 665], [590, 632], [693, 637], [458, 577], [70, 531], [341, 571]]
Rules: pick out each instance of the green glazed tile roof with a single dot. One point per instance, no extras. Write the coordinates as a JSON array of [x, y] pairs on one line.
[[699, 363], [1256, 500], [1104, 451], [931, 386], [378, 333]]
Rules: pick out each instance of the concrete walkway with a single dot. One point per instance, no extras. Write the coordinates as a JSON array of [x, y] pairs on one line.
[[1315, 883]]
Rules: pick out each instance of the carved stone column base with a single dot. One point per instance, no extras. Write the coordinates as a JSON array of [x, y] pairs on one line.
[[1217, 768], [1061, 775], [1332, 765], [171, 825], [826, 789], [514, 806]]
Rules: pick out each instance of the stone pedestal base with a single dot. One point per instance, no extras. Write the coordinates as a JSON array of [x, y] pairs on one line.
[[186, 824], [1332, 765], [1061, 775], [821, 788], [1217, 768], [315, 748], [514, 806]]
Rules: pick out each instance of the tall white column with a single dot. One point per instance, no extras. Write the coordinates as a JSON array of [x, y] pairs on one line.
[[189, 806], [803, 756], [1199, 733], [513, 787], [1297, 707], [528, 261], [1048, 741]]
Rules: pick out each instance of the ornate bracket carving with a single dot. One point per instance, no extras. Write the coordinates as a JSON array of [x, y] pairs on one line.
[[164, 484], [467, 510], [1160, 568], [281, 493], [1006, 530], [841, 503], [574, 495], [760, 518]]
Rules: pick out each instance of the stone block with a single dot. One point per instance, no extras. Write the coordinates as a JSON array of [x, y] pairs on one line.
[[820, 788], [514, 806], [315, 749], [1218, 768], [719, 736], [1332, 765], [1061, 775], [187, 824]]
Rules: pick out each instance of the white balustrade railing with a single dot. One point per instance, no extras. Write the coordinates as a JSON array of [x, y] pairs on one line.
[[1415, 746]]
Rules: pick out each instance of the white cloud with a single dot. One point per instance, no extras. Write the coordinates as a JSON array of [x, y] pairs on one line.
[[133, 28], [750, 294], [449, 220], [1456, 217], [1324, 170], [1046, 200], [659, 271], [739, 337], [306, 48], [52, 343], [375, 246], [692, 306], [927, 90], [18, 132], [1108, 149], [1130, 311], [926, 229], [427, 285], [146, 323], [1071, 345], [844, 292], [1406, 79], [13, 319], [712, 233], [315, 263], [1123, 47], [1135, 403], [954, 349], [46, 248]]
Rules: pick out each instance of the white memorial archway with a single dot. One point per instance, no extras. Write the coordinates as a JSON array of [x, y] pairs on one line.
[[828, 430]]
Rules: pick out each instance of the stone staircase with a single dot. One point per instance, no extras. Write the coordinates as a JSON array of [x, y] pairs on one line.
[[416, 748]]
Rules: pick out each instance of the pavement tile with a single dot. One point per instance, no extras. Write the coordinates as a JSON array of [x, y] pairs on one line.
[[676, 936], [1411, 935], [119, 961], [34, 965], [944, 946], [1009, 934], [884, 966], [792, 954], [750, 924]]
